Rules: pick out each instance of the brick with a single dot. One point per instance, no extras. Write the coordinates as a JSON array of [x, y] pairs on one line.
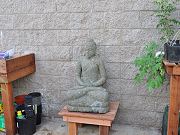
[[48, 52], [72, 37], [6, 21], [74, 5], [122, 20]]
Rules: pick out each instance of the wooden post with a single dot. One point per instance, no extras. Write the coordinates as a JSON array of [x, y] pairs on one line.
[[7, 98], [72, 128], [173, 117], [103, 130]]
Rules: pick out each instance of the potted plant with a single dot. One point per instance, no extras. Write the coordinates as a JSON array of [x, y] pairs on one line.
[[168, 26], [149, 64]]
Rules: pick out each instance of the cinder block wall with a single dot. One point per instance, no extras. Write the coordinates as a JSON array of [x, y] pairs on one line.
[[56, 30]]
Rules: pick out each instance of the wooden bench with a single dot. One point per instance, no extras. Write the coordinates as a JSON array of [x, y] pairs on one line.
[[103, 120]]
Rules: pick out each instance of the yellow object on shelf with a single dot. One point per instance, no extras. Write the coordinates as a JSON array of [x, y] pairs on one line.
[[1, 107]]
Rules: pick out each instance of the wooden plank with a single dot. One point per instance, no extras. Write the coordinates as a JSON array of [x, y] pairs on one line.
[[17, 74], [7, 98], [166, 63], [16, 63], [173, 116], [103, 130], [176, 70], [87, 121], [3, 68], [72, 128], [107, 116]]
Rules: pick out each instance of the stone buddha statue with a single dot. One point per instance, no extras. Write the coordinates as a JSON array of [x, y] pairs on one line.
[[89, 95]]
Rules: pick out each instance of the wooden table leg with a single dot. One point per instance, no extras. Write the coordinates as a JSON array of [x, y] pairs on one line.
[[173, 116], [103, 130], [72, 128], [8, 104]]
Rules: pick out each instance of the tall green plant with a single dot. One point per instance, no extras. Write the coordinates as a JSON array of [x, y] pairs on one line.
[[150, 67], [166, 22]]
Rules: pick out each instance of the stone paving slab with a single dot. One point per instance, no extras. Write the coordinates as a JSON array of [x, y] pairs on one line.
[[60, 128]]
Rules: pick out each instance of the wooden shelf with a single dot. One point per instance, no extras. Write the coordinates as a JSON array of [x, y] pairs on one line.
[[173, 70], [11, 70]]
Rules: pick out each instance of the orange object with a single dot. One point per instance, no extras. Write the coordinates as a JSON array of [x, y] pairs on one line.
[[103, 120], [174, 106], [20, 99]]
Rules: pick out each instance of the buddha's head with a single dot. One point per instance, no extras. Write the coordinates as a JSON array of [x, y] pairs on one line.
[[90, 48]]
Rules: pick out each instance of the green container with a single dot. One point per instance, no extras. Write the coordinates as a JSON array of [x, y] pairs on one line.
[[2, 122]]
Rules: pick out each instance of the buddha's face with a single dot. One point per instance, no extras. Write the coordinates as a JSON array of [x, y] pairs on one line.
[[90, 50]]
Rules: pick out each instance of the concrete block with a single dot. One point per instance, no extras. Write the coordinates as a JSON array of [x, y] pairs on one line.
[[10, 39], [79, 21], [138, 37], [121, 86], [40, 6], [108, 5], [57, 21], [72, 37], [29, 21], [122, 20], [113, 70], [107, 36], [38, 38], [140, 118], [48, 52], [53, 110], [6, 7], [64, 69], [139, 5], [74, 5], [6, 21], [127, 71], [96, 20], [139, 103], [121, 53], [148, 19]]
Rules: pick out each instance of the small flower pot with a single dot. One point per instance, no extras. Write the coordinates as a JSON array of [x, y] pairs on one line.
[[172, 52]]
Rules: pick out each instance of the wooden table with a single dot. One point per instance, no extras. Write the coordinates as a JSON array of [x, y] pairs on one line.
[[173, 116], [11, 70], [103, 120]]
